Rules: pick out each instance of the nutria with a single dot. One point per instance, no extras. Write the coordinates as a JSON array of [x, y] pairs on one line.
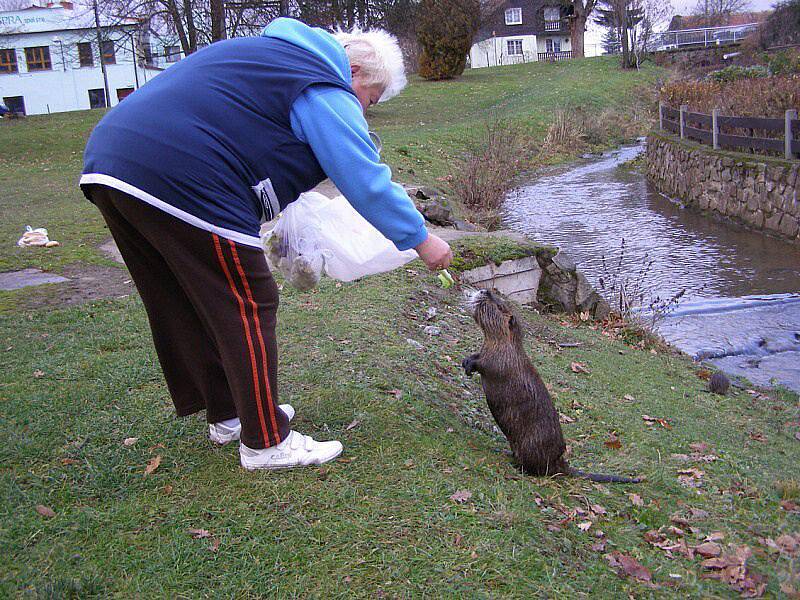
[[516, 394], [719, 383]]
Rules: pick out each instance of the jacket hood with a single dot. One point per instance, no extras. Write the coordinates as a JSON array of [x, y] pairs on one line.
[[313, 39]]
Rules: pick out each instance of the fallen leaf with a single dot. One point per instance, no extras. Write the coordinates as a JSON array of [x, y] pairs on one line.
[[797, 435], [553, 528], [708, 550], [38, 373], [409, 463], [636, 499], [790, 506], [699, 446], [757, 436], [579, 368], [788, 589], [585, 525], [599, 546], [168, 489], [653, 420], [565, 418], [628, 398], [461, 496], [787, 543], [716, 536], [69, 461], [199, 534], [458, 539], [353, 424], [45, 511], [130, 441], [613, 441], [396, 393], [347, 579], [152, 465], [214, 545], [598, 510], [698, 513], [628, 566]]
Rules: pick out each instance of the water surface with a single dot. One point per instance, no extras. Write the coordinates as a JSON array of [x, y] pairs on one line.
[[741, 303]]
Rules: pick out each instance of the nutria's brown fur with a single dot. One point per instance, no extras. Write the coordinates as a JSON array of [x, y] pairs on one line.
[[516, 394], [719, 383]]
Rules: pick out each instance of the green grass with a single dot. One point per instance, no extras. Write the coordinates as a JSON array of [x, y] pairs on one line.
[[77, 381]]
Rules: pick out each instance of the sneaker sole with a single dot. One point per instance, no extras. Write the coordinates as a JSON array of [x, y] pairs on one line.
[[283, 467]]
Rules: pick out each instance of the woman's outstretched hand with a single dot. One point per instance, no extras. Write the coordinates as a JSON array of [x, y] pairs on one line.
[[435, 252]]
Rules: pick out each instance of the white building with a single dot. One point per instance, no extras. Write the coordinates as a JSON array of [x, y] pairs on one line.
[[523, 31], [50, 59]]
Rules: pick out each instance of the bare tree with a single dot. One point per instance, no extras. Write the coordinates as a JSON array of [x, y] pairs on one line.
[[713, 13], [581, 10]]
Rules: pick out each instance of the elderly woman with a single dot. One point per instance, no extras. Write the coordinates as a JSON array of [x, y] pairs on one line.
[[186, 169]]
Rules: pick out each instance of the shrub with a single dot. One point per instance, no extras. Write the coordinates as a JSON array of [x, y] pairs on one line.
[[737, 72], [783, 63], [762, 97], [782, 27], [445, 32], [484, 174]]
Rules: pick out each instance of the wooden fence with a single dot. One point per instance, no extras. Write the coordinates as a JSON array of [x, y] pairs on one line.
[[715, 130], [555, 56]]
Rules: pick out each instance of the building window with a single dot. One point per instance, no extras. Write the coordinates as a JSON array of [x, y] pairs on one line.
[[515, 47], [172, 53], [8, 60], [16, 104], [107, 50], [123, 93], [553, 45], [85, 54], [552, 18], [97, 98], [38, 58], [514, 16]]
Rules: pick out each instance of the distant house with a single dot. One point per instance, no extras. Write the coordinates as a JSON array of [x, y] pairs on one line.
[[523, 31], [50, 59]]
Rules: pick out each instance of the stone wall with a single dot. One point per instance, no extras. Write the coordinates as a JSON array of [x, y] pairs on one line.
[[759, 192]]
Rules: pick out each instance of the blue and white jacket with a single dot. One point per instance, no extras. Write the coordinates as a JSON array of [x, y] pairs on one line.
[[233, 133]]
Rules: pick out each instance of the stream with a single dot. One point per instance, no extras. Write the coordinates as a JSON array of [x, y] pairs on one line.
[[741, 304]]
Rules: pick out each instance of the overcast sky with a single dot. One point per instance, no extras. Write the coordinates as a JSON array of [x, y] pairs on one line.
[[594, 35]]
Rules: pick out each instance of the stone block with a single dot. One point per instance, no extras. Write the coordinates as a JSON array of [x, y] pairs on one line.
[[789, 226], [517, 279], [773, 221]]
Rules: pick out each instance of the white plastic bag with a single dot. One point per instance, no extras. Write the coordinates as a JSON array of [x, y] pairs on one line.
[[329, 233], [34, 237], [293, 248]]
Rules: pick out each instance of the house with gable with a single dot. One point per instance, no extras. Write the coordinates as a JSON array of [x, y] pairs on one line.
[[523, 31]]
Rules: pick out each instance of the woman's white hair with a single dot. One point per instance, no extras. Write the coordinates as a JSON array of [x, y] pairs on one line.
[[378, 57]]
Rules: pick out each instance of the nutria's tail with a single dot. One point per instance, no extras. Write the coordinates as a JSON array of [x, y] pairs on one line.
[[600, 478]]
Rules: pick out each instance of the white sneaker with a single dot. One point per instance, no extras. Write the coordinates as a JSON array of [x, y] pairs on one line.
[[297, 450], [221, 433]]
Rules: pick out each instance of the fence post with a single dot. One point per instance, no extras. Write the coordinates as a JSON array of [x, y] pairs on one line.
[[715, 128], [684, 108], [661, 116], [791, 115]]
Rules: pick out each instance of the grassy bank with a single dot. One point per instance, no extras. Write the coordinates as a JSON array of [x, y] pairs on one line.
[[423, 501]]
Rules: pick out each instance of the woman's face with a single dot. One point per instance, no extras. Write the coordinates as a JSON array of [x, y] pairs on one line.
[[367, 95]]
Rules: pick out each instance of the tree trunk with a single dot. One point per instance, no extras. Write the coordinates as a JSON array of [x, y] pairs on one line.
[[577, 27], [172, 10], [217, 20], [191, 30]]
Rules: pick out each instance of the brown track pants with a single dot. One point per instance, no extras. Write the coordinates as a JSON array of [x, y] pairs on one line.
[[212, 305]]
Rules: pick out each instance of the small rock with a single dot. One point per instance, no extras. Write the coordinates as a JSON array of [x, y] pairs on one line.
[[564, 262], [414, 343], [430, 313], [432, 330]]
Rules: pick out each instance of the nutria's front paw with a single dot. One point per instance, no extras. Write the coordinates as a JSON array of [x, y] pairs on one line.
[[469, 364]]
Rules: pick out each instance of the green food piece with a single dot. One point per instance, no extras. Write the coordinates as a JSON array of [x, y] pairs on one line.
[[445, 279]]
